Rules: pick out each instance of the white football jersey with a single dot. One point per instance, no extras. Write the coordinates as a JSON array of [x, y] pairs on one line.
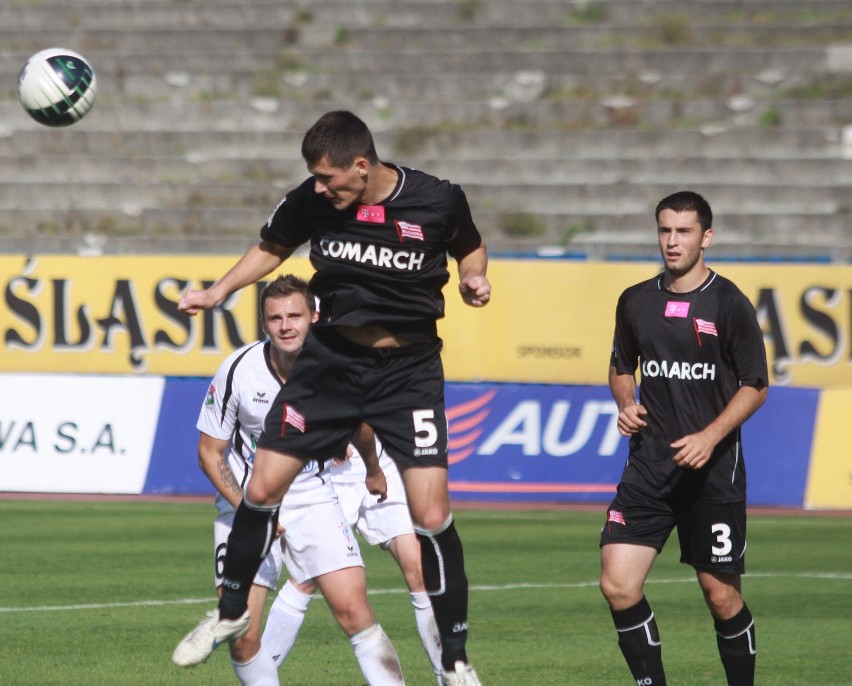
[[234, 410]]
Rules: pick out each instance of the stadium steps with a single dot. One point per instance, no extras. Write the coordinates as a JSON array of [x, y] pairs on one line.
[[497, 170], [62, 147], [274, 116], [231, 230], [604, 105], [130, 14]]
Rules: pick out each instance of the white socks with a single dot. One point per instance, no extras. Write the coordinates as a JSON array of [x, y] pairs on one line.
[[283, 622], [375, 653], [377, 657], [427, 628], [259, 671]]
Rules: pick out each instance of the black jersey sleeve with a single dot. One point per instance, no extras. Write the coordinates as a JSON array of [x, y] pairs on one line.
[[745, 341], [463, 236], [625, 349], [286, 225]]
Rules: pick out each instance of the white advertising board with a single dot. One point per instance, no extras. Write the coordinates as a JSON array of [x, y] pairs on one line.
[[75, 433]]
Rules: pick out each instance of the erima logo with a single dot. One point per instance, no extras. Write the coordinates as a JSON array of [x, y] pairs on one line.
[[404, 260], [260, 398], [679, 370]]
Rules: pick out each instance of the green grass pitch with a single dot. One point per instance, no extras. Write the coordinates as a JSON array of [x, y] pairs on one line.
[[100, 592]]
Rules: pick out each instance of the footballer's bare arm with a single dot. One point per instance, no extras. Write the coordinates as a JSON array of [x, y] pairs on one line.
[[474, 287], [257, 262], [211, 459], [364, 441], [630, 413]]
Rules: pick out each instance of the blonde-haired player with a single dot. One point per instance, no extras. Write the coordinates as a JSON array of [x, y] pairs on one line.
[[317, 544]]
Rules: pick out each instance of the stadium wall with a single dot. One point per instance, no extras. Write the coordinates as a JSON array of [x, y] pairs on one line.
[[551, 321], [508, 442]]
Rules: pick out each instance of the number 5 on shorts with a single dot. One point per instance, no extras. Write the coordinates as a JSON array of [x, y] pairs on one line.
[[426, 433]]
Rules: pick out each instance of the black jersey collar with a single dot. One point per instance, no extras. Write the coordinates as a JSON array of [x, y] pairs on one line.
[[400, 182], [703, 287]]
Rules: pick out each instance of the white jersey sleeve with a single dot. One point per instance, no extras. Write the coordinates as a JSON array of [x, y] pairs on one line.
[[235, 406], [218, 415]]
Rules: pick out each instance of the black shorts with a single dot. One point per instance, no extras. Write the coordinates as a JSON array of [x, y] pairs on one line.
[[712, 535], [335, 385]]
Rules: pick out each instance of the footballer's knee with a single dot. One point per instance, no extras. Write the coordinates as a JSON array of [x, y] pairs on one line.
[[722, 594], [439, 526], [619, 595], [433, 521], [262, 495], [354, 616], [723, 604]]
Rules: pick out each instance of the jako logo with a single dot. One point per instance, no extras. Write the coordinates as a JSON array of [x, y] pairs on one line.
[[531, 425]]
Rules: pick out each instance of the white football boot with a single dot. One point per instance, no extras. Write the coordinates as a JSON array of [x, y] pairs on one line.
[[462, 675], [210, 633]]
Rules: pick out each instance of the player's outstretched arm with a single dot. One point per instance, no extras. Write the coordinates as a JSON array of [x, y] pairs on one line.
[[256, 263], [474, 286]]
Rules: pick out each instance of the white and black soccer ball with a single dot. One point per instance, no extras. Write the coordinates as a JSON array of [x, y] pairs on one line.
[[57, 87]]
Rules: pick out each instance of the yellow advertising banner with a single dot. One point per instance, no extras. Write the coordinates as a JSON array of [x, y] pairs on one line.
[[548, 322], [118, 314], [552, 321], [829, 482]]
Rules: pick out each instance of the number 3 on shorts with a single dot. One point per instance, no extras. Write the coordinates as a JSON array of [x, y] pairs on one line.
[[723, 539], [424, 428]]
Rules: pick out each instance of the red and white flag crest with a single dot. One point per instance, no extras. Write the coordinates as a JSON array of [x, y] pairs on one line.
[[616, 516], [703, 326], [406, 230], [293, 418]]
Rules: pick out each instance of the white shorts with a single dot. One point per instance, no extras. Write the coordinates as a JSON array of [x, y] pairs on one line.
[[379, 523], [317, 540], [270, 568]]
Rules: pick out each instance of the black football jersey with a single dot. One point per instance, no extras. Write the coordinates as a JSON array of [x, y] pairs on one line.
[[382, 264], [694, 351]]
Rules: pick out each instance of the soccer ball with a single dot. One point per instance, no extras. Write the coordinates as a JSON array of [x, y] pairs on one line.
[[57, 87]]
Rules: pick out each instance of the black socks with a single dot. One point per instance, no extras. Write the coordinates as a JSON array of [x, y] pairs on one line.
[[446, 583], [639, 641], [251, 536], [737, 648]]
